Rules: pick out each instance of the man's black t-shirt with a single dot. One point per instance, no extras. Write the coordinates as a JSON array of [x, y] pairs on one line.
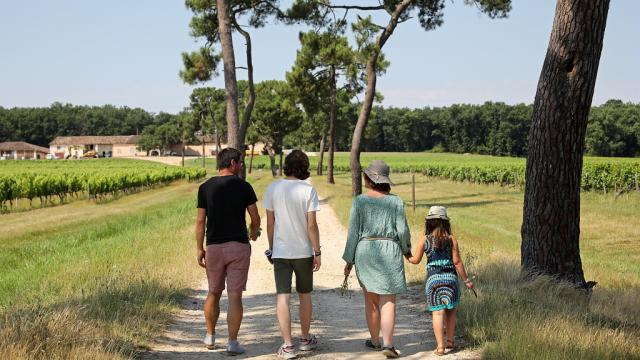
[[226, 199]]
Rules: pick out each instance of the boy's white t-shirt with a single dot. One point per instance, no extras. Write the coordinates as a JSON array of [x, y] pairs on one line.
[[291, 200]]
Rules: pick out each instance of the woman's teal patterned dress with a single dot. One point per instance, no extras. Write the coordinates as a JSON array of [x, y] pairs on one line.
[[379, 263], [442, 281]]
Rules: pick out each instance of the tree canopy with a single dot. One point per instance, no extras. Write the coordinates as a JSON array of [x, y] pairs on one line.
[[491, 128]]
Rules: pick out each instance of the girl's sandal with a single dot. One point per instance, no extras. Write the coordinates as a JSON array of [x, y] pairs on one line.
[[439, 351], [451, 346]]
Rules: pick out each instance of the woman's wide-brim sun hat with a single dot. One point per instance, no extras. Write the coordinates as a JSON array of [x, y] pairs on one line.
[[437, 212], [378, 171]]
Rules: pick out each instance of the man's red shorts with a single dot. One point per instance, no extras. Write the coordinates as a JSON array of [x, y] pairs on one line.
[[228, 260]]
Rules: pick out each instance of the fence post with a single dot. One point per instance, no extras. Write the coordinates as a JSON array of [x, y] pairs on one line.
[[413, 191]]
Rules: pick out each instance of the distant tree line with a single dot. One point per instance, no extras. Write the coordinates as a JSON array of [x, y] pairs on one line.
[[490, 128], [40, 125]]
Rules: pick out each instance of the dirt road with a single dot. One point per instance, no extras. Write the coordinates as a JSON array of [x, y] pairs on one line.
[[338, 321]]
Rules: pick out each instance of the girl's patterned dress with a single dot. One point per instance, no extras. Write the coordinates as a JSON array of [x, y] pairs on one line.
[[442, 280]]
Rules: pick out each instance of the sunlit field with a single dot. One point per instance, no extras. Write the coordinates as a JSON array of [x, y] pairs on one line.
[[599, 174], [100, 279], [514, 319]]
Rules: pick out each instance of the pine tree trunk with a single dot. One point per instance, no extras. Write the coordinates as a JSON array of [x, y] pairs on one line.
[[333, 113], [248, 109], [361, 124], [551, 220], [182, 153], [204, 155], [250, 103], [321, 155], [272, 160], [369, 96], [230, 83], [253, 146]]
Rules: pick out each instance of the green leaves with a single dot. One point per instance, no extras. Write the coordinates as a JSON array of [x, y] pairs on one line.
[[276, 113], [199, 66], [493, 8], [208, 104]]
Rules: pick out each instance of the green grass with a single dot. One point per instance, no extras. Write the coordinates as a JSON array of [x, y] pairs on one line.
[[88, 280], [98, 280], [93, 280], [515, 319]]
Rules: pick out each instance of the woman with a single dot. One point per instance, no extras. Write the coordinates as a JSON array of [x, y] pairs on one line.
[[378, 238]]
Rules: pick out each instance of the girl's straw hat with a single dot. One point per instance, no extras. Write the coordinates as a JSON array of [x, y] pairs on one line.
[[437, 212]]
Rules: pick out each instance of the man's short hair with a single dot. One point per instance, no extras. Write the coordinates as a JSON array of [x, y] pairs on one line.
[[226, 155], [296, 164]]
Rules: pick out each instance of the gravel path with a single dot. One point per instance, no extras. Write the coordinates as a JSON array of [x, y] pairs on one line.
[[338, 321]]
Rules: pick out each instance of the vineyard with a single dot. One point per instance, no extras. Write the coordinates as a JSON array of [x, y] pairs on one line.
[[598, 174], [46, 180]]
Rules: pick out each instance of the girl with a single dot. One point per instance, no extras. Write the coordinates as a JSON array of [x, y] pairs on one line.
[[443, 268]]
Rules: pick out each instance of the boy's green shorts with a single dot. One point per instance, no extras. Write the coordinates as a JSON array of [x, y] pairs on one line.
[[283, 269]]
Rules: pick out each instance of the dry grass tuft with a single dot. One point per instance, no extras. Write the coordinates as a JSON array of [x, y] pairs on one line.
[[77, 289]]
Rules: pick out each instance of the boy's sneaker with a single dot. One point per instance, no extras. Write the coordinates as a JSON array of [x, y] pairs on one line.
[[308, 344], [390, 352], [234, 348], [210, 341], [287, 352]]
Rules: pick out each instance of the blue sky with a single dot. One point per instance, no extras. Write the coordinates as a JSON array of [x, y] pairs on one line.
[[128, 53]]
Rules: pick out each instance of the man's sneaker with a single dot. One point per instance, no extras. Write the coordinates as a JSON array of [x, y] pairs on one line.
[[234, 348], [371, 346], [287, 352], [210, 341], [308, 344]]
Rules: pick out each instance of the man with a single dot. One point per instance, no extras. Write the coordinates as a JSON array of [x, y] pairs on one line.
[[222, 202], [291, 205]]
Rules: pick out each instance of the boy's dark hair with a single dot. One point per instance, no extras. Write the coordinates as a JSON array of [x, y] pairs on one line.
[[374, 186], [223, 160], [441, 231], [296, 164]]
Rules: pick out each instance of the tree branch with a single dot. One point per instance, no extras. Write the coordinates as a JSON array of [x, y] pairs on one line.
[[319, 73], [252, 93], [393, 22], [356, 7]]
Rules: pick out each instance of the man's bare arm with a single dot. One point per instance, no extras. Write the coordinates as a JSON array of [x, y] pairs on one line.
[[255, 221], [200, 224]]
